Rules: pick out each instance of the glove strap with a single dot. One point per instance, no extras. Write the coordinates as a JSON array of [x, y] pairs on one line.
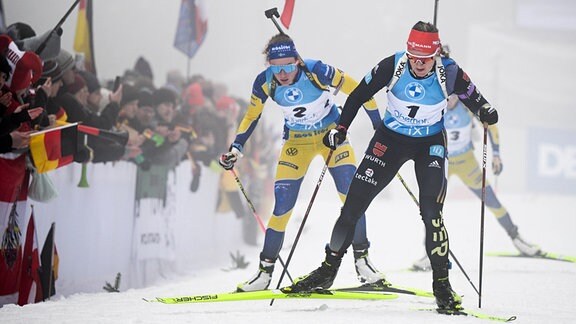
[[236, 152], [341, 128]]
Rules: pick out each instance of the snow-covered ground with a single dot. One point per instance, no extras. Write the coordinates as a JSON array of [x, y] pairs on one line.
[[536, 291]]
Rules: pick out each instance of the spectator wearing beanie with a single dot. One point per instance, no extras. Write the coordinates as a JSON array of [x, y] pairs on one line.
[[145, 114], [22, 68], [79, 90], [26, 66], [78, 112], [94, 93], [53, 108], [66, 64], [10, 138], [174, 148], [194, 97], [143, 69], [128, 104], [165, 104]]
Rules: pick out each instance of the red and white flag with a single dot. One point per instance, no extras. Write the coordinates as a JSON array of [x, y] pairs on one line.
[[286, 16], [30, 287]]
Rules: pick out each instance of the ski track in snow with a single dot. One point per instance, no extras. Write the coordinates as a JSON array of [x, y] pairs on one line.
[[536, 291]]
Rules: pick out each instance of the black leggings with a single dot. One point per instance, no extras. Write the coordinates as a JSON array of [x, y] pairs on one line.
[[385, 154]]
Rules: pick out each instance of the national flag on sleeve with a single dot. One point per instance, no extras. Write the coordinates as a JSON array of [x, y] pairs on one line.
[[286, 16], [84, 39], [54, 148], [192, 27], [49, 265], [30, 287]]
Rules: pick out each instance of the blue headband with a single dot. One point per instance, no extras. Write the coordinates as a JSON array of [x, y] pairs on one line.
[[282, 49]]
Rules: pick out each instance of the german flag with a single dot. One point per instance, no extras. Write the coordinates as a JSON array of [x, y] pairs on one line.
[[84, 40], [54, 148]]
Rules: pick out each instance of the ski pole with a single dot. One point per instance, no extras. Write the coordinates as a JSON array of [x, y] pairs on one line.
[[449, 251], [304, 220], [484, 146], [258, 218], [272, 14], [435, 11]]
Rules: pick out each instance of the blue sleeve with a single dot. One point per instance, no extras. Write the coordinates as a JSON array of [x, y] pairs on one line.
[[324, 72], [258, 87]]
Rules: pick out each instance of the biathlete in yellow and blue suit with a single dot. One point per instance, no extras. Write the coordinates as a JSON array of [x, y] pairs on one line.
[[459, 124], [458, 121], [302, 90]]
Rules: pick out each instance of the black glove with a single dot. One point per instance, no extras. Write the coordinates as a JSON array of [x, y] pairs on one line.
[[488, 115], [227, 160], [335, 137]]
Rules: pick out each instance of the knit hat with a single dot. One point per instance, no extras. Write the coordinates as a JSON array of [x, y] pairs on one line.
[[51, 70], [91, 81], [194, 95], [65, 60], [145, 99], [26, 66], [143, 68], [164, 96], [227, 104], [129, 93], [77, 85]]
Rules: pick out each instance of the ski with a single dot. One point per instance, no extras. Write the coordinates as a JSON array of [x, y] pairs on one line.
[[471, 313], [270, 294], [542, 255], [381, 287]]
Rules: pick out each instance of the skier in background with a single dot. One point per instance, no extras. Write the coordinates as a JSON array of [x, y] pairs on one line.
[[301, 89], [418, 82], [459, 127]]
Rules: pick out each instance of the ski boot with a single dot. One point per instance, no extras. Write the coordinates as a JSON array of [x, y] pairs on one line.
[[446, 298], [366, 271], [261, 280], [524, 247], [321, 278]]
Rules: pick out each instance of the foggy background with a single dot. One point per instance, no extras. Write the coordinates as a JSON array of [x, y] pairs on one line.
[[521, 54]]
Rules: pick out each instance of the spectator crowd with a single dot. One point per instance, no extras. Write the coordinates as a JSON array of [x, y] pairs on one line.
[[185, 120]]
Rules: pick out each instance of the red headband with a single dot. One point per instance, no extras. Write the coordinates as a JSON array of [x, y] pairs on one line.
[[425, 42]]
